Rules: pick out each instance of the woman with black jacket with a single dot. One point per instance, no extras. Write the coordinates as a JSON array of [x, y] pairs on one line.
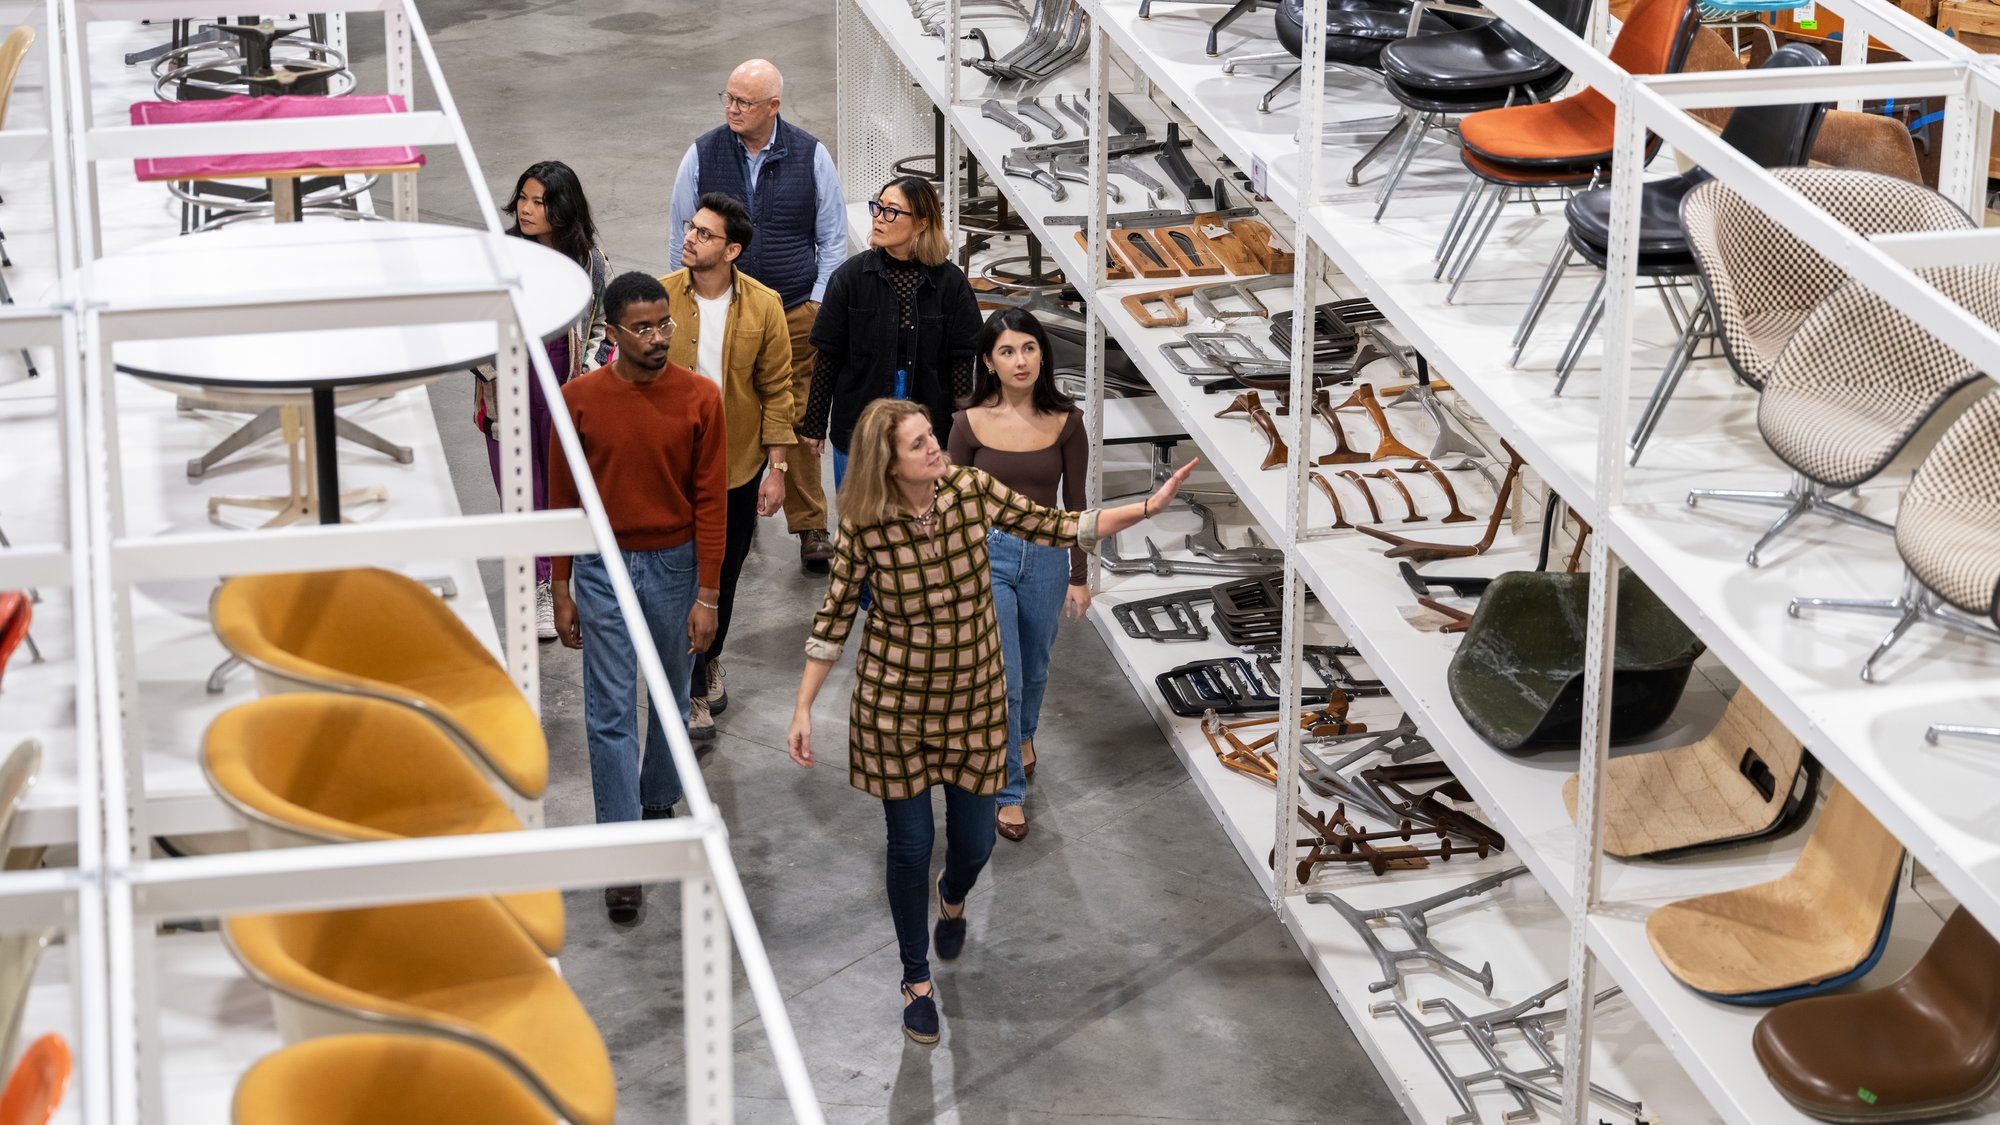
[[899, 321]]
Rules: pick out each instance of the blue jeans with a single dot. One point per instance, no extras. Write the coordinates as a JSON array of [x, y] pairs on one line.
[[968, 841], [1029, 581], [621, 778]]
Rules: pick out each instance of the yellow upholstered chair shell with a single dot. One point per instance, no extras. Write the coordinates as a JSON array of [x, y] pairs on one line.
[[384, 1080], [315, 768], [460, 970], [371, 632], [13, 52]]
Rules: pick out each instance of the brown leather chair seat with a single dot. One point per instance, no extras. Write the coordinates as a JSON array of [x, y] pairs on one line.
[[1924, 1047]]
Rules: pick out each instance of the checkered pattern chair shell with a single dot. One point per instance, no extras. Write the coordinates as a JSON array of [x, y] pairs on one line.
[[1948, 530], [1764, 279], [1860, 377]]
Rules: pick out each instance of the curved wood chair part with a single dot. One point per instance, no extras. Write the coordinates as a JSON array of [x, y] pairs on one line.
[[1926, 1046], [1339, 518], [349, 1079], [1582, 539], [372, 632], [1426, 465], [1275, 453], [1819, 926], [1418, 551], [1388, 447], [1391, 392], [36, 1087], [1460, 620], [1142, 306], [17, 612], [1409, 501], [458, 970], [314, 768], [1343, 454], [1354, 478], [1739, 783]]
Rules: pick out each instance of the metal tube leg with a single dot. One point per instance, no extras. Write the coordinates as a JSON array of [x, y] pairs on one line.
[[1585, 325], [1473, 188], [265, 422], [361, 435], [1472, 251], [1375, 150], [1264, 103], [1404, 157], [1670, 379], [327, 468], [1895, 634], [1790, 516], [1558, 265]]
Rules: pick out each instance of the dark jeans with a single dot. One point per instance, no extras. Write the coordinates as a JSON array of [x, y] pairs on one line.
[[968, 841], [740, 525]]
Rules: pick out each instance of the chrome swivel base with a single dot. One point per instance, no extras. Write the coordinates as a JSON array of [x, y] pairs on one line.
[[1804, 497], [1962, 731], [1916, 604]]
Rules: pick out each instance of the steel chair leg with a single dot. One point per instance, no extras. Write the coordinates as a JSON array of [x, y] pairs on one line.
[[1558, 265], [1472, 251], [1670, 378], [1405, 156], [1586, 325], [1376, 149]]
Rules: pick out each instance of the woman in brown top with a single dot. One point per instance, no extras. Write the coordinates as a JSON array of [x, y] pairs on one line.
[[1023, 432], [930, 703]]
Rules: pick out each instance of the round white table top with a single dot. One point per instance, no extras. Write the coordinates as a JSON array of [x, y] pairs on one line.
[[266, 261]]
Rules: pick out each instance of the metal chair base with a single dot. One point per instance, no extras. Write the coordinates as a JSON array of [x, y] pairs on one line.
[[1917, 603], [1804, 497]]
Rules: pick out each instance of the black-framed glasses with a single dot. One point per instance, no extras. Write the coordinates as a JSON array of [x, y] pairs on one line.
[[731, 101], [880, 210], [702, 235], [664, 330]]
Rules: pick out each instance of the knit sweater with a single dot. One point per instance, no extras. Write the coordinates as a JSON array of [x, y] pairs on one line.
[[659, 454]]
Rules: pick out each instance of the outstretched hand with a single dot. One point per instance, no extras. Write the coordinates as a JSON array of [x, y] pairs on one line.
[[1158, 501]]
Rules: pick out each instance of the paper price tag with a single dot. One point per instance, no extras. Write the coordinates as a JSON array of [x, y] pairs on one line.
[[1807, 16], [1260, 176]]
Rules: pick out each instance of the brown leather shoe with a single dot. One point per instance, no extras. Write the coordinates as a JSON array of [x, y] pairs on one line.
[[1011, 831], [622, 903], [815, 548], [1923, 1047]]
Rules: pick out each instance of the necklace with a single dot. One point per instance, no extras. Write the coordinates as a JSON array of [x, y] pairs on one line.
[[926, 521]]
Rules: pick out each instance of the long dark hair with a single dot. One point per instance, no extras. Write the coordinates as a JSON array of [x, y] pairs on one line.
[[570, 226], [986, 391]]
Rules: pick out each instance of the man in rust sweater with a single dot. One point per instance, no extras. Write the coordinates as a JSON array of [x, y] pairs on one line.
[[652, 433]]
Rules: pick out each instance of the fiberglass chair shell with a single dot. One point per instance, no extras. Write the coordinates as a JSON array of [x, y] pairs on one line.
[[36, 1086], [1517, 676], [371, 632], [1356, 32], [1820, 925], [373, 1079], [1948, 534], [1923, 1047], [1746, 780], [1856, 387], [309, 768], [459, 970]]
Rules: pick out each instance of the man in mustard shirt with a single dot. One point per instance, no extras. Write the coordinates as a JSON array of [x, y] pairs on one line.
[[732, 330]]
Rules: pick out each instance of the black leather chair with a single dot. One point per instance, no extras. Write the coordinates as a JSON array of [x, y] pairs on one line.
[[1356, 32], [1774, 136], [1484, 67]]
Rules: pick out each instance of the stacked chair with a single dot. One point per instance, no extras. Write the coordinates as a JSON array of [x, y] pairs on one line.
[[1356, 32], [1438, 77], [1517, 151], [463, 971], [370, 1079], [1774, 136], [373, 633], [1845, 380], [314, 768]]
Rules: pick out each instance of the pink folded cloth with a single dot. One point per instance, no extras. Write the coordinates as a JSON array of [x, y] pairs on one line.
[[263, 109]]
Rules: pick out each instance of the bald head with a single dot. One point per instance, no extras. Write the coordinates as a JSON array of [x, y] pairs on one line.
[[750, 101], [760, 76]]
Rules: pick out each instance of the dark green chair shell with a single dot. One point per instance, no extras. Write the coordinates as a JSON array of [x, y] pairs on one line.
[[1518, 674]]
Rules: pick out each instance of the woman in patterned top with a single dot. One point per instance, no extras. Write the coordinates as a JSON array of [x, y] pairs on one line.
[[930, 693]]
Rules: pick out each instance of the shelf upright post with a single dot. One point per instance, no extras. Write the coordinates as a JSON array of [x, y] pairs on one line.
[[1097, 237], [517, 620], [1965, 143], [68, 149], [954, 147], [1621, 283], [1854, 48], [402, 80], [1306, 273], [705, 993]]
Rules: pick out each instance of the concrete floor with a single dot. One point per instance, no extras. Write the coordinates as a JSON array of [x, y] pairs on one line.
[[1122, 963]]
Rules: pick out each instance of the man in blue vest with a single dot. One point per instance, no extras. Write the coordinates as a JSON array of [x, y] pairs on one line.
[[787, 180]]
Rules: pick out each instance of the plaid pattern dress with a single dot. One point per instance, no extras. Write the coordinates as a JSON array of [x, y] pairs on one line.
[[930, 697]]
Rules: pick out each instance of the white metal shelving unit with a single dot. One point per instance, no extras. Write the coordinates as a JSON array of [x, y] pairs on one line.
[[1936, 800], [142, 1011]]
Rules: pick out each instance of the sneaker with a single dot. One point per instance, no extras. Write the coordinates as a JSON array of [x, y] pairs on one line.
[[545, 612], [920, 1015], [815, 548], [622, 904], [949, 936], [701, 726], [718, 692]]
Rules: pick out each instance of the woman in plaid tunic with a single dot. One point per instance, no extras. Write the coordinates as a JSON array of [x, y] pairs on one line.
[[930, 694]]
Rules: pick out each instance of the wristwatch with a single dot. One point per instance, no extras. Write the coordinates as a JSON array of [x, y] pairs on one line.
[[781, 466]]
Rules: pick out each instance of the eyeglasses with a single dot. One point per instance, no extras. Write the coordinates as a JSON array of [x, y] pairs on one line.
[[702, 235], [731, 101], [663, 330], [888, 214]]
